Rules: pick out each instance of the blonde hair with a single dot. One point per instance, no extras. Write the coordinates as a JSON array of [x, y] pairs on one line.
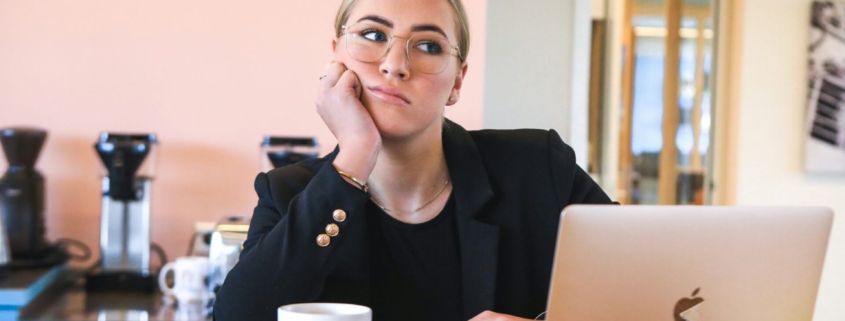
[[463, 23]]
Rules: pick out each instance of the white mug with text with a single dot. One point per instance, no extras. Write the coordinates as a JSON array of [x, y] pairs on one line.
[[189, 277]]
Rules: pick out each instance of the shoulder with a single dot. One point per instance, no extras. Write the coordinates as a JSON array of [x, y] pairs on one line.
[[533, 146], [286, 181], [303, 170], [536, 162], [528, 161]]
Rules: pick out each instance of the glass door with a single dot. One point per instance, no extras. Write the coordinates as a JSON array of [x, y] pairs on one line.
[[665, 102]]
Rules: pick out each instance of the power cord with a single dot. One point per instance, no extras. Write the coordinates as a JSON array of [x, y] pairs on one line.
[[162, 256], [67, 243]]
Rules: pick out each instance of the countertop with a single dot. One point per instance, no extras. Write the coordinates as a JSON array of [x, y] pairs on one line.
[[67, 300]]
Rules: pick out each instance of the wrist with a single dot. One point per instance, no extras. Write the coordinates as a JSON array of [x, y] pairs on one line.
[[354, 181], [357, 160]]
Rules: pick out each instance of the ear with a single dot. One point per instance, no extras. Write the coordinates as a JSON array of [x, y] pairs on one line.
[[334, 44], [456, 89]]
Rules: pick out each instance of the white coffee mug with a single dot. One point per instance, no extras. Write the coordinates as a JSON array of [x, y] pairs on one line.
[[324, 312], [189, 275]]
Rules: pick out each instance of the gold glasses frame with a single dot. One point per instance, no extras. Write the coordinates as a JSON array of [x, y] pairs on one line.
[[453, 49]]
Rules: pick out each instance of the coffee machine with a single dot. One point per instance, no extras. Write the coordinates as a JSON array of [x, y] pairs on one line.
[[279, 151], [128, 168], [22, 200]]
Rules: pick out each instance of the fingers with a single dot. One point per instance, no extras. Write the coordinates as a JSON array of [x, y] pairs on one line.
[[336, 75], [350, 80], [482, 316], [332, 73], [493, 316]]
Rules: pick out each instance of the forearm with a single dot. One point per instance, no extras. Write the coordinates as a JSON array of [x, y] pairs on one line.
[[358, 160]]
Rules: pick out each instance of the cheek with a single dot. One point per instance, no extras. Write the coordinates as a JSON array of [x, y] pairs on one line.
[[360, 68], [439, 89]]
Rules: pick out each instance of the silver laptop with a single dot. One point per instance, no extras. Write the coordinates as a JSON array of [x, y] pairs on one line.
[[688, 263]]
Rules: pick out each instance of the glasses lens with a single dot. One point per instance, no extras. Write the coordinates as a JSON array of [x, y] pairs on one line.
[[429, 53], [366, 42]]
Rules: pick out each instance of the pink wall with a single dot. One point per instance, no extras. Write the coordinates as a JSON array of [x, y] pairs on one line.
[[210, 77]]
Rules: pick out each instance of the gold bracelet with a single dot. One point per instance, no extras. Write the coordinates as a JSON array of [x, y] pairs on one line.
[[363, 186]]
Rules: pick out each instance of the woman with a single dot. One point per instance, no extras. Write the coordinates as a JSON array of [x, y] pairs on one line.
[[411, 215]]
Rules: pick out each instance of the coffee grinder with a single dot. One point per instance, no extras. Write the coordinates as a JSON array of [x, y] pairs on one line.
[[128, 168], [22, 201], [279, 151]]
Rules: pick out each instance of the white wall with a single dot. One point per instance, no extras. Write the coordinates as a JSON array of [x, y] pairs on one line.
[[598, 10], [537, 67], [773, 91]]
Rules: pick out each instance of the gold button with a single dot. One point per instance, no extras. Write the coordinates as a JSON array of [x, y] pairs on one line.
[[323, 240], [339, 215], [332, 230]]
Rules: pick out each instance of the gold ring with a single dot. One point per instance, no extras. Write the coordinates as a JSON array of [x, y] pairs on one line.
[[323, 76]]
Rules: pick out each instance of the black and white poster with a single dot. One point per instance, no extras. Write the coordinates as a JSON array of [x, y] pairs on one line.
[[825, 142]]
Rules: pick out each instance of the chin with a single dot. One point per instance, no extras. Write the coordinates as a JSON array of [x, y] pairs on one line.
[[394, 129], [393, 125]]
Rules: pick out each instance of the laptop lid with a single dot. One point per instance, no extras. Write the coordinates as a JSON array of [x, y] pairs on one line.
[[688, 263]]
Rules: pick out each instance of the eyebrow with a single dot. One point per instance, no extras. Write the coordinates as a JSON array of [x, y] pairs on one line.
[[377, 19], [429, 28], [415, 28]]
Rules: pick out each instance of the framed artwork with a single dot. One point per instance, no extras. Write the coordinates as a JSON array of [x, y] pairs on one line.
[[825, 134]]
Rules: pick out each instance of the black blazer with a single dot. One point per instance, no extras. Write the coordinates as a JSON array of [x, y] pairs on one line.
[[509, 186]]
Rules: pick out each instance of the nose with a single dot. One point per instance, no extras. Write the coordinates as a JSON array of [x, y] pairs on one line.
[[395, 62]]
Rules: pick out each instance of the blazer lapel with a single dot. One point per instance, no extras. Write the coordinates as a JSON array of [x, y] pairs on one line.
[[479, 241]]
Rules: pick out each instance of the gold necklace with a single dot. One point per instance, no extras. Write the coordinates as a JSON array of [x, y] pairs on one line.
[[418, 208]]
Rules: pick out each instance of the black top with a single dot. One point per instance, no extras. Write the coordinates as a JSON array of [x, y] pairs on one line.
[[415, 269], [509, 187]]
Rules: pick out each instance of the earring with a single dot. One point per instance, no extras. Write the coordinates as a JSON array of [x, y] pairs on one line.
[[452, 99]]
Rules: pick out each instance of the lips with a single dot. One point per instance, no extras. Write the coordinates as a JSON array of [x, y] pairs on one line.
[[389, 94]]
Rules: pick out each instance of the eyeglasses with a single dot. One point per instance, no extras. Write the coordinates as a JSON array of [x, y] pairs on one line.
[[427, 52]]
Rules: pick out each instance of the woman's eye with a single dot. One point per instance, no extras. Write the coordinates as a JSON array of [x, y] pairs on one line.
[[430, 47], [374, 35]]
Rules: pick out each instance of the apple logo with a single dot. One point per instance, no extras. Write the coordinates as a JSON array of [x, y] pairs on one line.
[[686, 304]]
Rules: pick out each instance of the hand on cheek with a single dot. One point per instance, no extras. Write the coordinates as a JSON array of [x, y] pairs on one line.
[[339, 105]]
